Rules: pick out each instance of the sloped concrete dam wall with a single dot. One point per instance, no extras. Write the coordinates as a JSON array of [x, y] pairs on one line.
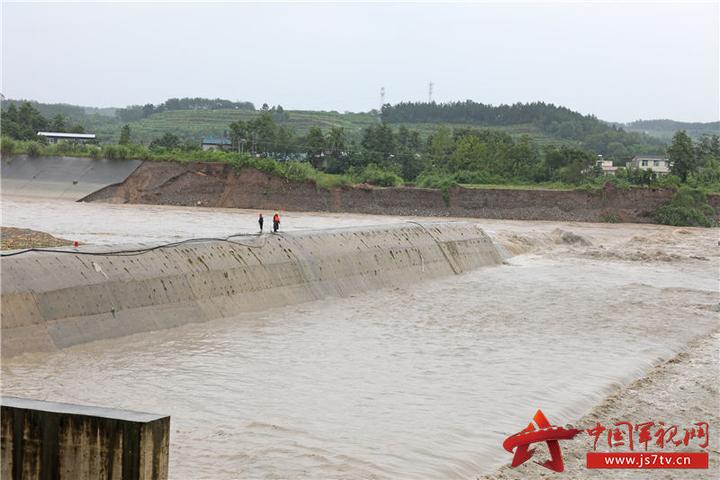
[[66, 178], [52, 300]]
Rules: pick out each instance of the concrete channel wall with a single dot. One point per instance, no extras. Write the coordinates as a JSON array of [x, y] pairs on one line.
[[59, 441], [61, 178], [52, 300]]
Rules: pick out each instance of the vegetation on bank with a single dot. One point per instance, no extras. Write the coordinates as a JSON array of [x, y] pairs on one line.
[[388, 155], [689, 207]]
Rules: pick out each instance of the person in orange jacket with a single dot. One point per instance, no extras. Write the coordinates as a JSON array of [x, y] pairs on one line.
[[276, 222]]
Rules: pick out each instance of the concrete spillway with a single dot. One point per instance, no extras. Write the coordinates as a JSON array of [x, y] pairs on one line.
[[67, 178], [54, 300]]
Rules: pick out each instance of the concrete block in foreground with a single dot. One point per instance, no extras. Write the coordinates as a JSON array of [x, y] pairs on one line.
[[47, 440]]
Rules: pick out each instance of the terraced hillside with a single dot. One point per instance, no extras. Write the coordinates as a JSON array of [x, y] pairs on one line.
[[196, 124]]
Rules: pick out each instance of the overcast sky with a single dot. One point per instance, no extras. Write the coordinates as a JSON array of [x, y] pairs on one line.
[[621, 62]]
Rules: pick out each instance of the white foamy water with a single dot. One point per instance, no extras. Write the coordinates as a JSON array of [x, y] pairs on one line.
[[418, 382]]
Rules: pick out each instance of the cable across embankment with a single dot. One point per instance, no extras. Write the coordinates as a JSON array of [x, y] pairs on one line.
[[141, 251], [67, 297]]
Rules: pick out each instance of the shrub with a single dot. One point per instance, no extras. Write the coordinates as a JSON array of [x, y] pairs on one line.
[[375, 175], [608, 216], [328, 181], [688, 208], [439, 180], [94, 152], [298, 171], [115, 152], [7, 146], [33, 149], [668, 181], [65, 148]]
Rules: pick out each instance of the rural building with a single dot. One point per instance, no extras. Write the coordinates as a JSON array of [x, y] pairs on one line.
[[212, 143], [656, 163], [54, 137], [606, 166]]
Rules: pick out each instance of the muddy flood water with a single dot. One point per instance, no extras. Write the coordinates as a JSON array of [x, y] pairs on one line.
[[418, 382]]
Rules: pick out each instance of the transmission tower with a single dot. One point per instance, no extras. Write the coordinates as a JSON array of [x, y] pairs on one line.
[[430, 86], [382, 97]]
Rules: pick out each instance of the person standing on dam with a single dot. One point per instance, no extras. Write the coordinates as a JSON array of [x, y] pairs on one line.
[[261, 220], [276, 222]]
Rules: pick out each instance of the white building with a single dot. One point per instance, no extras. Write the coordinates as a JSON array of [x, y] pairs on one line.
[[606, 166], [656, 163], [54, 137]]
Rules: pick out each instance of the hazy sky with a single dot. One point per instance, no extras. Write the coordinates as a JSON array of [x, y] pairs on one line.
[[618, 61]]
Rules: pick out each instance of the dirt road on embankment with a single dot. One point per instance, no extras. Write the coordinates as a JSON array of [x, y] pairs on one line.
[[219, 185]]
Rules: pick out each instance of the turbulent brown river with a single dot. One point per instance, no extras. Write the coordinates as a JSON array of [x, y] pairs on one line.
[[418, 382]]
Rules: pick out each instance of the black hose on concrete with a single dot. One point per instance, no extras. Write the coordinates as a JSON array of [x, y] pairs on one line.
[[141, 251]]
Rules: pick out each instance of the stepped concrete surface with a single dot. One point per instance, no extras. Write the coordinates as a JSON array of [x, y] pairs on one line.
[[55, 300], [59, 441], [68, 178]]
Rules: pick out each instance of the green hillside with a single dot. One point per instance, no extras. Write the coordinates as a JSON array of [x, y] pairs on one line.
[[543, 123], [196, 124]]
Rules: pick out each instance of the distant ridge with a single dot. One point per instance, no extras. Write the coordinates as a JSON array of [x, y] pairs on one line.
[[664, 128]]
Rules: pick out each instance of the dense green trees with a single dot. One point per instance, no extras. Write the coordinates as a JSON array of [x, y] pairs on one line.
[[694, 160], [315, 147], [167, 141], [467, 155], [24, 122], [560, 122], [682, 156], [262, 135]]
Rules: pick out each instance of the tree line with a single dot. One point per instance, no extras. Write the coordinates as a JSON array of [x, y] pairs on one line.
[[560, 122], [23, 123], [138, 112], [400, 154], [468, 155]]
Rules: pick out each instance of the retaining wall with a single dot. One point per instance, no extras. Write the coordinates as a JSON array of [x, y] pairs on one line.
[[51, 300], [59, 441], [66, 178]]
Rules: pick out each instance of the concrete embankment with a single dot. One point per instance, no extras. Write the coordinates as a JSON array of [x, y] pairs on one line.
[[218, 185], [67, 178], [55, 300]]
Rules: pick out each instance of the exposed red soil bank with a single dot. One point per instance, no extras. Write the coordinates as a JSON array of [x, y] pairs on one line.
[[220, 185]]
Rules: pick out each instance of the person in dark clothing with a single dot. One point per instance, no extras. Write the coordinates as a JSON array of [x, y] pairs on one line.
[[261, 220], [276, 222]]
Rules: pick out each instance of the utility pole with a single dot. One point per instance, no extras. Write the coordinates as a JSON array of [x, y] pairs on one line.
[[382, 102], [430, 87]]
